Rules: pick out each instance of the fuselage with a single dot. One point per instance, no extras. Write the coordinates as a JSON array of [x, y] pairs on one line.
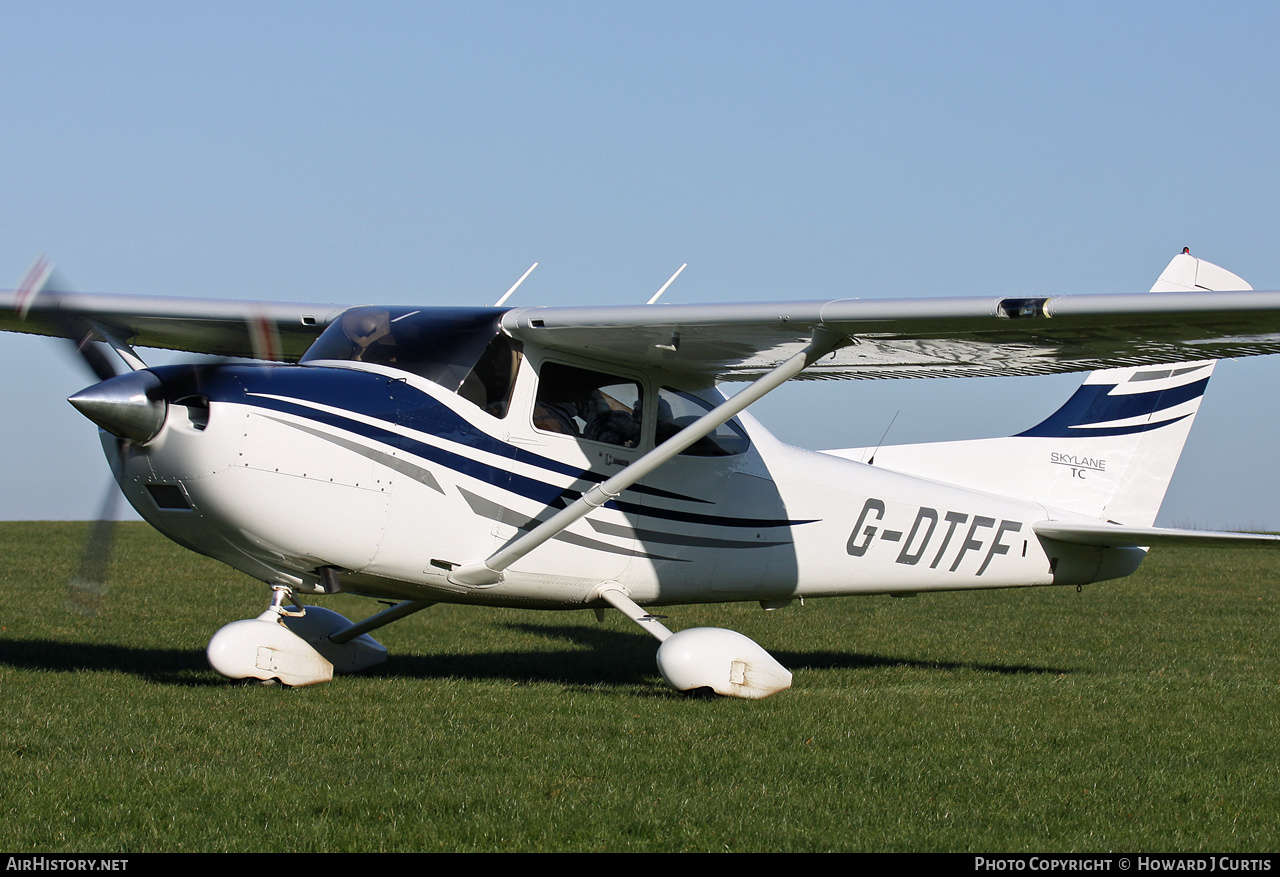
[[389, 480]]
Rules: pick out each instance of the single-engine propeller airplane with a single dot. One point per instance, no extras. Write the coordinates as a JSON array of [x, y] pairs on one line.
[[584, 457]]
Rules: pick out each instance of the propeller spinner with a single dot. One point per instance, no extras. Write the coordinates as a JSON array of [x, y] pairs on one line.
[[129, 406]]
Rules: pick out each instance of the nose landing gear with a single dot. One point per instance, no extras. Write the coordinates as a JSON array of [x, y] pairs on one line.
[[291, 646]]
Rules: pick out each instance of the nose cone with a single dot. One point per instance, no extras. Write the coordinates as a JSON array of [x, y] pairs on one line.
[[129, 406]]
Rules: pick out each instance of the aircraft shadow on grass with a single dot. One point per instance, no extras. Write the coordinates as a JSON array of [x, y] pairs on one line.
[[609, 649], [598, 656], [168, 666]]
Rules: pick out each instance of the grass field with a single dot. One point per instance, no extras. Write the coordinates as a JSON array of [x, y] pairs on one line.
[[1139, 715]]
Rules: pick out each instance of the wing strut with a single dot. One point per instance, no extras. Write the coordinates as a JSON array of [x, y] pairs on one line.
[[489, 571], [118, 344]]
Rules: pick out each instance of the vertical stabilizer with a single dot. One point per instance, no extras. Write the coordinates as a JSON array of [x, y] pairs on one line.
[[1109, 452]]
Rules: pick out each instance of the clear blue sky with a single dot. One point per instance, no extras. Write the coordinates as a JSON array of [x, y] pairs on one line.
[[429, 152]]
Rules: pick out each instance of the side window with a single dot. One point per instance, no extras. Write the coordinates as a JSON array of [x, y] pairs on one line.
[[490, 383], [677, 409], [588, 404]]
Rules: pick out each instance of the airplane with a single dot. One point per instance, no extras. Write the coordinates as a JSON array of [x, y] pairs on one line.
[[565, 458]]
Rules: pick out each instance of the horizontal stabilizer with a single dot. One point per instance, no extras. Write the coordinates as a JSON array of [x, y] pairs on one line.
[[1113, 536]]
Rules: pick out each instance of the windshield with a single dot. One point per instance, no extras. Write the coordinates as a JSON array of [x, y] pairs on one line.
[[440, 344]]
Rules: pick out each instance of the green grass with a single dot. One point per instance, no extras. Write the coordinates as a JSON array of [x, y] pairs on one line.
[[1139, 715]]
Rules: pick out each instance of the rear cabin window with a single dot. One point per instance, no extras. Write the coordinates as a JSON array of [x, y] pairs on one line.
[[678, 409]]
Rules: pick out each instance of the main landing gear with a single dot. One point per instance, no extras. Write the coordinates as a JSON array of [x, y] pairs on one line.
[[722, 660], [306, 645], [298, 646]]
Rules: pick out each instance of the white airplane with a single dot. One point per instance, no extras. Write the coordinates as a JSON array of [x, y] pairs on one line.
[[583, 457]]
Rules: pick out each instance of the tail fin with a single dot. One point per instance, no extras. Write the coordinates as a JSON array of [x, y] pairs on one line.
[[1109, 452]]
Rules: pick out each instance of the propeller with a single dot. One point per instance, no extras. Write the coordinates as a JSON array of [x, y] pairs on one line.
[[86, 588], [88, 585], [127, 400]]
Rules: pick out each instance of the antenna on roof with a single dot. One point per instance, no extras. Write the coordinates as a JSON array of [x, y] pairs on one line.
[[506, 295], [659, 293]]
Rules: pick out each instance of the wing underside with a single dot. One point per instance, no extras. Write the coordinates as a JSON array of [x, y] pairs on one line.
[[222, 327], [917, 338]]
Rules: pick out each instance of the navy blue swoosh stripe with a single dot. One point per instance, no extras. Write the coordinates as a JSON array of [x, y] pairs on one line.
[[1091, 404], [529, 488], [494, 512], [392, 402], [687, 517], [695, 518], [1096, 431], [430, 416]]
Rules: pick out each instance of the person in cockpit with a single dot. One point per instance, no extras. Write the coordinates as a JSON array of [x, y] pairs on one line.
[[369, 329]]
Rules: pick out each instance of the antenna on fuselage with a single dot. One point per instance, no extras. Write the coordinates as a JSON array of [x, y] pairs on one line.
[[506, 295], [659, 293], [876, 450]]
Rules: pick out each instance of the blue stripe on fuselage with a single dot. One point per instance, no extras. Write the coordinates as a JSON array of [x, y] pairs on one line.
[[395, 402]]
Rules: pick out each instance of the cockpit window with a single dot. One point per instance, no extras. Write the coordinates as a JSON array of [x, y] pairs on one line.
[[445, 345], [588, 404], [490, 383]]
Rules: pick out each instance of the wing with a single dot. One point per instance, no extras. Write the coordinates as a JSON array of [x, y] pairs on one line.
[[885, 338], [224, 327], [914, 338]]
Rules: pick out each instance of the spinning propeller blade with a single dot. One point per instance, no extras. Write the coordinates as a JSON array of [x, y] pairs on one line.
[[87, 587], [126, 400]]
